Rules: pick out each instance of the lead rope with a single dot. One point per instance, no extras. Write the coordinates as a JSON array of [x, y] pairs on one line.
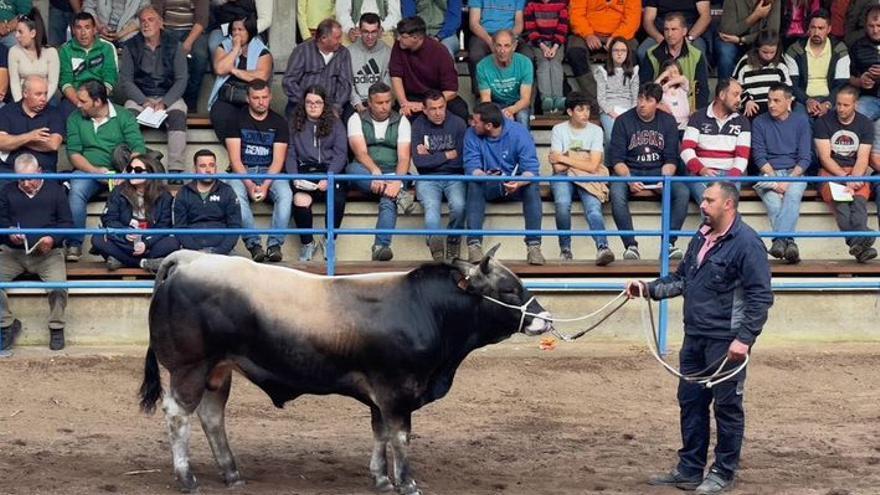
[[650, 330]]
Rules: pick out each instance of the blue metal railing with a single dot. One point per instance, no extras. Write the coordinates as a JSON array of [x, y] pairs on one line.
[[664, 233]]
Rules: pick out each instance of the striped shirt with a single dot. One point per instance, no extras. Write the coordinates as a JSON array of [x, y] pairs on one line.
[[756, 81], [546, 22], [720, 144]]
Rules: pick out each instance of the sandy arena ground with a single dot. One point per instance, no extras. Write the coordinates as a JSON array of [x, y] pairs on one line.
[[582, 419]]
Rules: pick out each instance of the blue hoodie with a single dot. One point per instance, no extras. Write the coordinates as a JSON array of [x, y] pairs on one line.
[[513, 149]]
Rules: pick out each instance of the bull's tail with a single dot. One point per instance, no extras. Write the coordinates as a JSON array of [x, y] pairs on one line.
[[151, 388]]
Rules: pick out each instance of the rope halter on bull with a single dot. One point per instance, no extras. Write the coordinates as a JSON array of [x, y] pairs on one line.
[[706, 377]]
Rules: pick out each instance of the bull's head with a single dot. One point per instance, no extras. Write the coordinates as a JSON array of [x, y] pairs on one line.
[[497, 284]]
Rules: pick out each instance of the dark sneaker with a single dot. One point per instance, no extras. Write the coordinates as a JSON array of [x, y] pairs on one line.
[[604, 256], [676, 479], [273, 254], [453, 248], [714, 483], [382, 253], [777, 249], [307, 251], [257, 253], [151, 264], [56, 339], [10, 334], [866, 255], [792, 255], [73, 253], [675, 253], [113, 264], [437, 248], [534, 256], [565, 254], [632, 253], [475, 253]]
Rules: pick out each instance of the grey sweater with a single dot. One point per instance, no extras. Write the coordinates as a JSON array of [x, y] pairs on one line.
[[614, 92], [368, 67]]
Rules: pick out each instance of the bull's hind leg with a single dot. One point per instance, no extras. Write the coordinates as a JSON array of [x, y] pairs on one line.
[[379, 460], [398, 430], [179, 429], [211, 413]]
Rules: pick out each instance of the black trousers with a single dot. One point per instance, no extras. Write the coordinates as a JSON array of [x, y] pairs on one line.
[[697, 353]]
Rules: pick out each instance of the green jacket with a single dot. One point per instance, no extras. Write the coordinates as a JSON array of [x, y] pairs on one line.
[[98, 64], [97, 146], [9, 9], [382, 151]]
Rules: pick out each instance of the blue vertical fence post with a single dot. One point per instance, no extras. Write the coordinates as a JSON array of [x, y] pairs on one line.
[[330, 246], [664, 258]]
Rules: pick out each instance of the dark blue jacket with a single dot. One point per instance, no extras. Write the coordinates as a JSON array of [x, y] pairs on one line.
[[118, 215], [219, 210], [728, 296]]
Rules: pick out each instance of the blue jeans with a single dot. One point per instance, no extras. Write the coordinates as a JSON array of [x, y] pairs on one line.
[[59, 21], [869, 106], [431, 194], [282, 199], [620, 205], [451, 44], [697, 188], [727, 55], [783, 209], [562, 198], [81, 191], [476, 208], [387, 218], [607, 125], [197, 63]]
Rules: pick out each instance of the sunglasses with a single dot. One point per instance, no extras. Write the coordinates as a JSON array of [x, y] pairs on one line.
[[135, 170]]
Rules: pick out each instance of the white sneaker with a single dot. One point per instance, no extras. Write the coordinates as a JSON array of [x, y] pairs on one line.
[[632, 253]]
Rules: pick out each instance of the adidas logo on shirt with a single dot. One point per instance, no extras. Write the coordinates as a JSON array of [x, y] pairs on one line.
[[368, 74]]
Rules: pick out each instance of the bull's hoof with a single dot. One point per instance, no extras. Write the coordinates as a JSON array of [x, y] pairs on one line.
[[409, 488], [383, 484], [233, 480], [187, 483]]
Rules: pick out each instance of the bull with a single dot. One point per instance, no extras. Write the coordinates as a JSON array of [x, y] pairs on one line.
[[391, 341]]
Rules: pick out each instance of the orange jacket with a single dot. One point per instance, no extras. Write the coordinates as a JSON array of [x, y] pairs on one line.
[[606, 18]]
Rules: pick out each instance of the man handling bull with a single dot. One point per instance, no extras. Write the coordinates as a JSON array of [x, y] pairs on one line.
[[725, 281]]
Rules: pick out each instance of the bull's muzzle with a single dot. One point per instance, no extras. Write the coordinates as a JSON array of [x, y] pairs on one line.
[[541, 323]]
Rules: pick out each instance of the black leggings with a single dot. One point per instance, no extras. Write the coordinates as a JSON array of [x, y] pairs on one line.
[[302, 215], [124, 251]]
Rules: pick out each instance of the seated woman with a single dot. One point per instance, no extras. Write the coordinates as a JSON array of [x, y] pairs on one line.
[[318, 144], [760, 69], [31, 55], [140, 204], [240, 59]]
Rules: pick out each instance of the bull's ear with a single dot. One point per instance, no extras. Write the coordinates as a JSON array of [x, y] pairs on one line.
[[462, 274], [484, 263]]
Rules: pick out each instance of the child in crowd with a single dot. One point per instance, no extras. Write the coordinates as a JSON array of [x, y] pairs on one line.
[[758, 70], [545, 31], [675, 93], [618, 85]]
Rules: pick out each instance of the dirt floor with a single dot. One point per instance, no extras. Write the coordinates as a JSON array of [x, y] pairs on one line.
[[581, 419]]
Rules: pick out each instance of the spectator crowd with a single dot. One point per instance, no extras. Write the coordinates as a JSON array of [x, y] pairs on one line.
[[373, 89]]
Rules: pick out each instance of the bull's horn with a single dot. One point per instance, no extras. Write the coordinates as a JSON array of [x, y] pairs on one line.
[[484, 263]]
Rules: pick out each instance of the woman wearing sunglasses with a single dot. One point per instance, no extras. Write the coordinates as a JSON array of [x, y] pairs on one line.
[[140, 204]]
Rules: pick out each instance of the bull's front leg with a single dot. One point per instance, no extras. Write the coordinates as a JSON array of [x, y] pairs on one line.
[[399, 429], [379, 460]]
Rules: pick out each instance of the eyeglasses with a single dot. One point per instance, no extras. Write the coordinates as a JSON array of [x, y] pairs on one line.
[[135, 170]]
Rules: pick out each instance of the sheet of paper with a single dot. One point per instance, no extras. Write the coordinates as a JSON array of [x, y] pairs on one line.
[[839, 192], [152, 118]]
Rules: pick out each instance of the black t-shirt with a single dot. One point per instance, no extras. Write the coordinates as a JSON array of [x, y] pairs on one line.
[[688, 8], [14, 121], [259, 136], [845, 139], [862, 55], [242, 65]]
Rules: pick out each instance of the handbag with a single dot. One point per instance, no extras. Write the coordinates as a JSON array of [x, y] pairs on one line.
[[234, 92]]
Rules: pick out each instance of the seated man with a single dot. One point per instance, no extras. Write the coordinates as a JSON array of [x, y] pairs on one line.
[[116, 21], [593, 25], [676, 46], [85, 57], [439, 139], [865, 66], [369, 61], [187, 21], [349, 12], [843, 141], [207, 203], [419, 64], [644, 143], [259, 146], [781, 148], [35, 204], [818, 66], [153, 74], [497, 146], [485, 18], [740, 25], [506, 78], [577, 149], [93, 134], [697, 16], [380, 140], [321, 61], [442, 17], [31, 126], [718, 140]]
